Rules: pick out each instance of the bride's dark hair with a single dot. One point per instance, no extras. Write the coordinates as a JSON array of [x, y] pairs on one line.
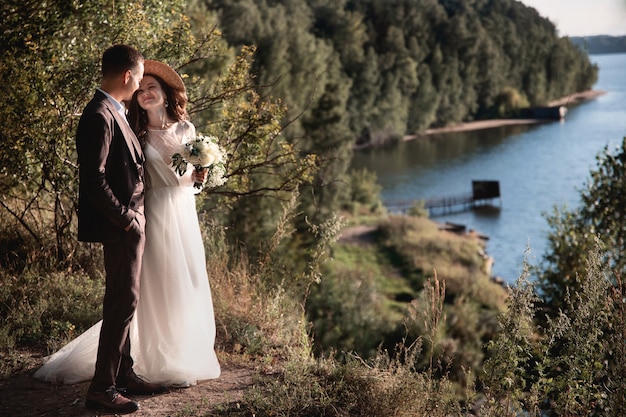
[[176, 109]]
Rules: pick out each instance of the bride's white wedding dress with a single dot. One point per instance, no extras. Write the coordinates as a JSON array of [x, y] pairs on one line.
[[173, 332]]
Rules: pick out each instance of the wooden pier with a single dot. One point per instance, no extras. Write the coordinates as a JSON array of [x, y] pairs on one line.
[[483, 193]]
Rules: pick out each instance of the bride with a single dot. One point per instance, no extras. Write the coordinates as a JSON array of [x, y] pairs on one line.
[[173, 331]]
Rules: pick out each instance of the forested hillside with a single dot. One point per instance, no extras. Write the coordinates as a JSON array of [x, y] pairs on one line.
[[385, 68]]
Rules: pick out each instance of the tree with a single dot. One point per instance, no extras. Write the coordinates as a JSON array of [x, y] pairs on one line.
[[52, 57], [331, 140]]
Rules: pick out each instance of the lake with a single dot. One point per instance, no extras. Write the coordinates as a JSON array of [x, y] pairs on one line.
[[539, 167]]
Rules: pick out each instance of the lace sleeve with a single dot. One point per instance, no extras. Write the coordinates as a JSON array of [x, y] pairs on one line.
[[188, 131]]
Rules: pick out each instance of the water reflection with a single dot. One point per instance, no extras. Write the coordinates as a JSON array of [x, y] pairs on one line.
[[488, 211], [433, 150]]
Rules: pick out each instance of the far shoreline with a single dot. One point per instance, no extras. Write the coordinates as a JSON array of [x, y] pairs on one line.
[[572, 99]]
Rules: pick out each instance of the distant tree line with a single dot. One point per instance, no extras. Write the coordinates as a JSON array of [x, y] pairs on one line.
[[385, 68], [601, 44]]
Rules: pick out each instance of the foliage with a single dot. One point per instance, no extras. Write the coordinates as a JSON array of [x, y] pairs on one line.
[[505, 371], [384, 387], [259, 313], [617, 348], [348, 311], [364, 192], [53, 56], [388, 384], [374, 291], [574, 232], [406, 65], [418, 209], [50, 308], [419, 246], [578, 344], [567, 366], [509, 102]]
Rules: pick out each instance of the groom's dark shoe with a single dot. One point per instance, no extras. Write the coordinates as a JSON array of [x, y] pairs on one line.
[[134, 385], [110, 400]]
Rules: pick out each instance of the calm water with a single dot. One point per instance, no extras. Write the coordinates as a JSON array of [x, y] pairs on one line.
[[539, 167]]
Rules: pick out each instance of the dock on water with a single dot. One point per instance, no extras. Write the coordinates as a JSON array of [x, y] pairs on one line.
[[483, 193]]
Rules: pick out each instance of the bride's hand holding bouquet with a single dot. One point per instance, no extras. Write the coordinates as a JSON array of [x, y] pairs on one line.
[[204, 153]]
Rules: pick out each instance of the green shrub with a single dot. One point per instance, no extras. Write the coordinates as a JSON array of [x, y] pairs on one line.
[[571, 366], [418, 209], [348, 314], [47, 308], [364, 192]]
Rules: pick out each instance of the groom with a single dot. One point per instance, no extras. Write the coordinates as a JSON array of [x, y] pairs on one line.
[[111, 211]]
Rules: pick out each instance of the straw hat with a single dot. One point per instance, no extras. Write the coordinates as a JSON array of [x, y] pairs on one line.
[[164, 72]]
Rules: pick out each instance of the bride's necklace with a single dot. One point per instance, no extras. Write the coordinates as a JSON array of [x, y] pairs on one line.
[[162, 126], [165, 123]]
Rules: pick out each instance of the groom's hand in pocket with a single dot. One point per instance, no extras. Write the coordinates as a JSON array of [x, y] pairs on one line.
[[138, 223]]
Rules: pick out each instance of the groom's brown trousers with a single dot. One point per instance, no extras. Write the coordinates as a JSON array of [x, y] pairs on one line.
[[122, 262]]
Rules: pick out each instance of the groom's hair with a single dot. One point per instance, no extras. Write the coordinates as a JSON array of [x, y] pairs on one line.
[[118, 59]]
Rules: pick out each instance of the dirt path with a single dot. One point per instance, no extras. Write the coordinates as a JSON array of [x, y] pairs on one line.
[[23, 396], [359, 234]]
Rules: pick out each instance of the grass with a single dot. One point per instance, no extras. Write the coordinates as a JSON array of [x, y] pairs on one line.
[[433, 362], [373, 293], [389, 280]]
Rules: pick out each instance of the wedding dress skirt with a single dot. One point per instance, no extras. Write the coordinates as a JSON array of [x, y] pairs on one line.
[[173, 331]]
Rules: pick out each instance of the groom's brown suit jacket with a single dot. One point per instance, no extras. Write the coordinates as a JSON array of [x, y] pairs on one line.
[[111, 197], [110, 160]]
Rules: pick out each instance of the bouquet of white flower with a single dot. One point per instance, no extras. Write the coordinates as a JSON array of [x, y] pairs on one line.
[[202, 152]]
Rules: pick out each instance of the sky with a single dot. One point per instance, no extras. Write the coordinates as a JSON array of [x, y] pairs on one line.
[[583, 17]]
